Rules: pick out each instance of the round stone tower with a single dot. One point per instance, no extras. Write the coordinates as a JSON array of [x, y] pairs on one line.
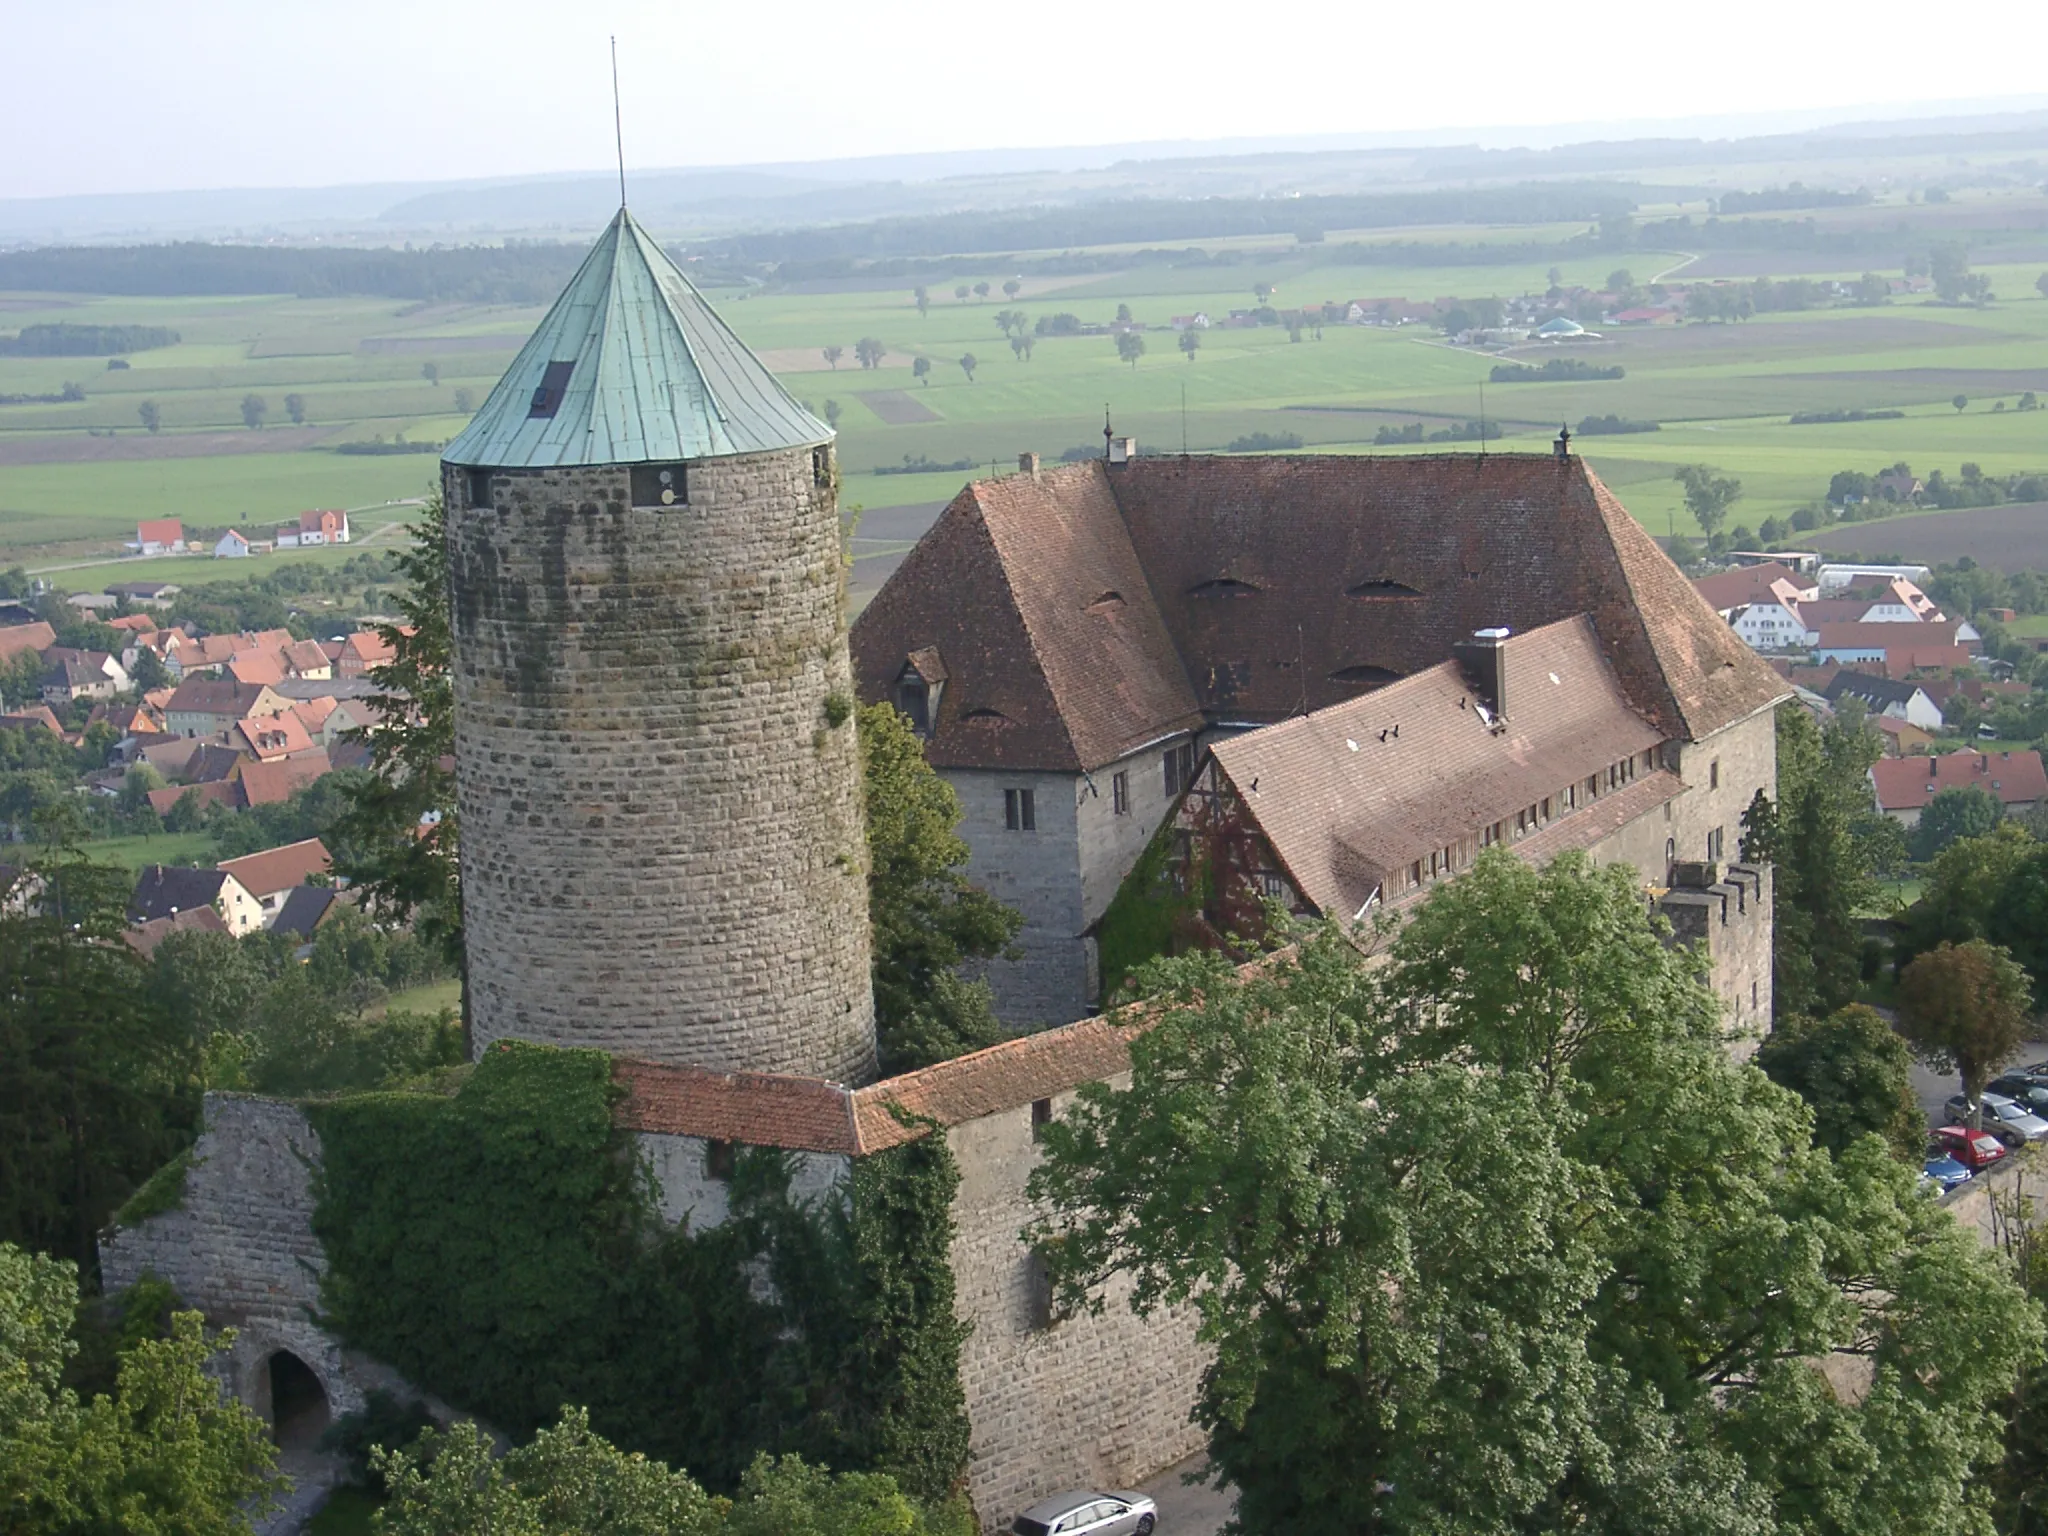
[[662, 846]]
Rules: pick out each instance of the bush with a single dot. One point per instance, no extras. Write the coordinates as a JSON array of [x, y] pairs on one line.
[[1264, 442]]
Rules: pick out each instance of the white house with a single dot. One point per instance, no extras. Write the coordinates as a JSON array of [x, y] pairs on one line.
[[314, 528], [1771, 625], [1833, 578], [232, 546]]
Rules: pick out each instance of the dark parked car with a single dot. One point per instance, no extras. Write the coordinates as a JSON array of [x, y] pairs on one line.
[[2026, 1088]]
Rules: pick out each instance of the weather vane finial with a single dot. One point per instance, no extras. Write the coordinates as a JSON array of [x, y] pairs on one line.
[[618, 125]]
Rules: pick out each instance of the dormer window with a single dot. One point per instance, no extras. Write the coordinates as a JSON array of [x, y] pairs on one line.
[[919, 686]]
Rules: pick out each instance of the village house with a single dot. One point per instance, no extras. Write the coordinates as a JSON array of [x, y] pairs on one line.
[[70, 673], [163, 891], [1886, 698], [361, 652], [144, 594], [1904, 785], [1073, 643], [16, 638], [1852, 643], [1834, 576], [273, 875], [159, 536], [232, 546], [207, 706], [314, 528]]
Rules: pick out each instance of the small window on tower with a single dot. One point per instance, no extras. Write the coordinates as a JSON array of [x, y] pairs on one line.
[[720, 1163], [547, 398], [660, 485], [479, 487], [821, 467]]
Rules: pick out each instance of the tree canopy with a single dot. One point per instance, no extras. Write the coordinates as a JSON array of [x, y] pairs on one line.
[[1855, 1073], [1964, 1008], [1969, 810], [1495, 1237], [166, 1454]]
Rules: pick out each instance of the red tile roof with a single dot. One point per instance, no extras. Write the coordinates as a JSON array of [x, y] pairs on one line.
[[278, 869], [260, 667], [273, 783], [1088, 610], [271, 737], [212, 792], [1865, 636], [1908, 783], [160, 530], [26, 637]]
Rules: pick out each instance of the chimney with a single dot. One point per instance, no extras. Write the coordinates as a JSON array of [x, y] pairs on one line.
[[1563, 446], [1483, 660], [1027, 463], [1122, 449]]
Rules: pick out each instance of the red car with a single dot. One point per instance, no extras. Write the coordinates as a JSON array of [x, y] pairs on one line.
[[1975, 1152]]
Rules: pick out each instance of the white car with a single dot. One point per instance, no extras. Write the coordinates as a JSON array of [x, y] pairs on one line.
[[1083, 1513]]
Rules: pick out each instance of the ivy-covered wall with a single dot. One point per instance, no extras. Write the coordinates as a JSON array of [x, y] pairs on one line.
[[502, 1249]]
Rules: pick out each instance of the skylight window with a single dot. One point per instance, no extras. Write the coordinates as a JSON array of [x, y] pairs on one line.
[[547, 399]]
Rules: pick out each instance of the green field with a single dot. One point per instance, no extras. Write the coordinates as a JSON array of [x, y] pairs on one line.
[[157, 848], [1722, 393]]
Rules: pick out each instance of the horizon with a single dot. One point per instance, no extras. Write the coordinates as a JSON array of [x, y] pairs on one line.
[[226, 101]]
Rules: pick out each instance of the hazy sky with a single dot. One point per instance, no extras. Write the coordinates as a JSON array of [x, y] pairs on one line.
[[118, 95]]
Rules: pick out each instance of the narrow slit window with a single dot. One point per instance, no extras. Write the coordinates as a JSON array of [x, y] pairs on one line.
[[1120, 793], [547, 397], [479, 487]]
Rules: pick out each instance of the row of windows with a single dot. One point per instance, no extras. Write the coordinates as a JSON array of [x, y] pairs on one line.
[[1020, 813], [649, 485], [1455, 856]]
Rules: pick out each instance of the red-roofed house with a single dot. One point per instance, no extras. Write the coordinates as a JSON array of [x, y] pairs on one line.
[[270, 738], [159, 536], [1904, 785], [273, 783], [360, 652], [274, 874]]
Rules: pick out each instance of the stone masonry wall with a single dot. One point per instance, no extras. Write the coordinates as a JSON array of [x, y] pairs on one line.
[[241, 1248], [1039, 873], [662, 849], [1732, 921], [1086, 1402], [688, 1192]]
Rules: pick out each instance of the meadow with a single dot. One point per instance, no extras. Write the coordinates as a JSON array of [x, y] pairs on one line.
[[76, 476]]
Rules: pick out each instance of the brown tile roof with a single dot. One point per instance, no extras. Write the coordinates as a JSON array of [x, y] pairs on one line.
[[212, 792], [256, 667], [1908, 783], [758, 1108], [271, 737], [215, 696], [273, 783], [145, 937], [1097, 609], [1030, 591], [278, 869], [1749, 584], [1353, 792], [33, 716], [1905, 660], [307, 656], [1871, 636], [17, 638]]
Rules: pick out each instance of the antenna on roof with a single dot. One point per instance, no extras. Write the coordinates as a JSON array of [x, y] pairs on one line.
[[1107, 431], [618, 124]]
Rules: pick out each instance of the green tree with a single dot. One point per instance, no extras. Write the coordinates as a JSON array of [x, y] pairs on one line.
[[572, 1482], [833, 411], [1263, 292], [968, 363], [1855, 1073], [981, 290], [254, 409], [431, 372], [1821, 878], [465, 402], [1552, 1262], [96, 1085], [1960, 402], [923, 299], [1012, 287], [152, 416], [832, 356], [167, 1453], [295, 407], [149, 673], [960, 292], [1967, 811], [1130, 346], [1190, 342], [1963, 1008], [397, 839], [1708, 496], [927, 918], [869, 352], [1965, 893], [921, 370]]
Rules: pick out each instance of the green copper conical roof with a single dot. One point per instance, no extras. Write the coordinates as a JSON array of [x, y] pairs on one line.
[[632, 366]]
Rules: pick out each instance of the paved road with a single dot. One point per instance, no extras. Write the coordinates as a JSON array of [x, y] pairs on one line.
[[1185, 1510]]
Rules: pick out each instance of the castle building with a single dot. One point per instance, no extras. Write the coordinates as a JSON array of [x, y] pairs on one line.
[[662, 848], [1075, 643]]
